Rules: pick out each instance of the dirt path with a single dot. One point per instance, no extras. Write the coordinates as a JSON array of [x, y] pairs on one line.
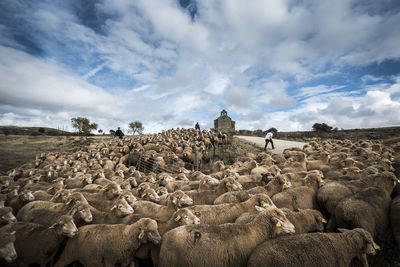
[[280, 145]]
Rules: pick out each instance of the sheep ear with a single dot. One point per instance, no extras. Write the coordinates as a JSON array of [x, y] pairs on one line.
[[113, 207], [376, 246], [141, 235], [177, 218], [68, 201], [13, 233], [174, 200], [342, 230], [52, 227], [143, 195], [278, 224], [323, 220], [73, 211]]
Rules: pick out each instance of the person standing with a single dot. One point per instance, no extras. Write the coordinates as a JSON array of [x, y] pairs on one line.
[[119, 133], [268, 138], [197, 126]]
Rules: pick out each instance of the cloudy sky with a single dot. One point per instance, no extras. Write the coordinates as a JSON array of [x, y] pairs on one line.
[[169, 63]]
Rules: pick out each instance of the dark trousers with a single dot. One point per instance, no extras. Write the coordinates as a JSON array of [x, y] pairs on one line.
[[266, 143]]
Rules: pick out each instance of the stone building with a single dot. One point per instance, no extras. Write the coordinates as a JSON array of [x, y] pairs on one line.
[[224, 123]]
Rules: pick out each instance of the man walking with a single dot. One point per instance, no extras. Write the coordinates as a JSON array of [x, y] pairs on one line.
[[268, 138]]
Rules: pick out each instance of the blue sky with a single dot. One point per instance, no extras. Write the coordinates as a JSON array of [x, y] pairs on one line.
[[169, 63]]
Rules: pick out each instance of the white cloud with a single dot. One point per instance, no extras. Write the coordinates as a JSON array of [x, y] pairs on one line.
[[153, 62]]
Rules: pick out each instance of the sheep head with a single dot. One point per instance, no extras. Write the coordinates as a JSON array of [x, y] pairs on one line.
[[179, 199], [185, 217], [148, 231], [83, 211], [65, 226], [7, 249]]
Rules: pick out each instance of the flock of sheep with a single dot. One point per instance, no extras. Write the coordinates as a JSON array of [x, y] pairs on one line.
[[322, 205]]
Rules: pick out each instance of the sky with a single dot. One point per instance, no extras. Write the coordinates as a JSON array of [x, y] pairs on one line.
[[170, 63]]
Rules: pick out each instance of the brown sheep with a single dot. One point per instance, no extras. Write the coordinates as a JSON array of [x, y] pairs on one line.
[[7, 249], [332, 193], [239, 196], [303, 197], [317, 163], [304, 221], [109, 245], [120, 209], [16, 203], [221, 245], [395, 218], [6, 216], [150, 195], [315, 249], [176, 200], [228, 212], [36, 244], [179, 218], [208, 196], [46, 213], [368, 209]]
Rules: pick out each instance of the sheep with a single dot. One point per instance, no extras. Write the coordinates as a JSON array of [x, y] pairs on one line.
[[78, 182], [304, 221], [208, 196], [42, 195], [150, 195], [315, 249], [395, 218], [3, 199], [207, 182], [303, 197], [316, 164], [45, 213], [109, 245], [368, 209], [228, 212], [221, 245], [330, 194], [6, 216], [118, 212], [239, 196], [108, 192], [36, 244], [7, 249], [17, 202], [176, 200], [181, 217]]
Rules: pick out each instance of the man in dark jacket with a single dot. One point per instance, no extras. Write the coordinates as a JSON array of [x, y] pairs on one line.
[[197, 126], [119, 133]]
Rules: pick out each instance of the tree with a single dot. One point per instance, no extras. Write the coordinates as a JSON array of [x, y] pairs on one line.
[[274, 130], [136, 127], [321, 127], [83, 125], [100, 131], [112, 132]]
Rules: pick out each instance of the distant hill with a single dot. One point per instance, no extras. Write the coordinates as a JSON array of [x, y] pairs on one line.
[[386, 134], [34, 131]]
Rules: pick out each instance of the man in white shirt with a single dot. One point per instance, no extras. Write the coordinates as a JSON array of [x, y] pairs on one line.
[[268, 138]]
